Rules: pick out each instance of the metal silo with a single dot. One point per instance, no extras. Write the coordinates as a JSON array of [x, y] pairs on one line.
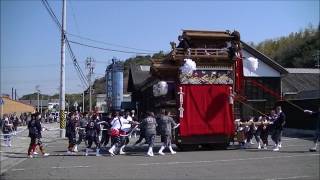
[[117, 84], [109, 87]]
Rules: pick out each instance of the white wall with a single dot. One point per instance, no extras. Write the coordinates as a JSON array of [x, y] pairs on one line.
[[263, 70]]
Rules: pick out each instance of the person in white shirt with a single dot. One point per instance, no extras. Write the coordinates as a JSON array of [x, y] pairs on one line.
[[126, 127], [115, 133]]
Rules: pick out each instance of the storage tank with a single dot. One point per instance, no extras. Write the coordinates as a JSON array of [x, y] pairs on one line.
[[117, 84], [109, 87]]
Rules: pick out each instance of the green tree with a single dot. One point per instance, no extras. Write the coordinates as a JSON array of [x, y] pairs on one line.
[[295, 50]]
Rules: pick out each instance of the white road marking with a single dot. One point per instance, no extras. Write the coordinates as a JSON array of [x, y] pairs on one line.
[[62, 167], [69, 167], [224, 160], [17, 169], [293, 177], [296, 146], [291, 139]]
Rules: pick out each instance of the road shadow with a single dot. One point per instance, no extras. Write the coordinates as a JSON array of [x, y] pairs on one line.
[[292, 151], [14, 152], [14, 156]]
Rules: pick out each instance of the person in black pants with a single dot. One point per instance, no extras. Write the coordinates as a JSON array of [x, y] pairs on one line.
[[142, 134], [278, 127], [83, 122], [35, 129], [317, 130], [105, 131], [71, 133], [264, 131], [92, 133]]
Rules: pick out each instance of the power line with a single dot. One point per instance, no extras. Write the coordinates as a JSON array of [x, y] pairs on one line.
[[110, 44], [34, 81], [82, 77], [107, 49], [32, 66], [51, 13], [74, 17]]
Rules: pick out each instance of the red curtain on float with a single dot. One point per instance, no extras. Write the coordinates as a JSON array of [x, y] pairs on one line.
[[239, 75], [206, 110]]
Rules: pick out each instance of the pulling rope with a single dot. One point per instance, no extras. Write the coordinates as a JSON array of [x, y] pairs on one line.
[[250, 107], [131, 131], [273, 93], [294, 105]]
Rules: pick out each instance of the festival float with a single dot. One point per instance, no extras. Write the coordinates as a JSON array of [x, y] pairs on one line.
[[205, 73]]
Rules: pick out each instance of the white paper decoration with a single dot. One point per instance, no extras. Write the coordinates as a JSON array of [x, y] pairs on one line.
[[160, 89], [253, 63], [188, 67]]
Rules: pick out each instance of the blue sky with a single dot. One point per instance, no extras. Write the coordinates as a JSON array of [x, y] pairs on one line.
[[30, 41]]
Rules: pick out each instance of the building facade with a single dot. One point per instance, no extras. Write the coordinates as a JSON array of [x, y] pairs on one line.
[[262, 86], [101, 105]]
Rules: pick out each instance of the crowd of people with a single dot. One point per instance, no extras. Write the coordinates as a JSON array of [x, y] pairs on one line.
[[261, 127], [116, 129], [9, 124]]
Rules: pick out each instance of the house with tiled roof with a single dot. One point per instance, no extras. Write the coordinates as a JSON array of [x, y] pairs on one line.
[[301, 83], [9, 106], [301, 90]]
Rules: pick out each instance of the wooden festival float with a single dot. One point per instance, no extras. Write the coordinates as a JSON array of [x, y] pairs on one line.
[[198, 81]]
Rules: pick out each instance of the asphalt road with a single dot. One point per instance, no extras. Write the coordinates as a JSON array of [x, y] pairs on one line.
[[294, 161]]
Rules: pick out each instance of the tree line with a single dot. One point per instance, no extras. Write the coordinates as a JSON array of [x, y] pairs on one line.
[[297, 50]]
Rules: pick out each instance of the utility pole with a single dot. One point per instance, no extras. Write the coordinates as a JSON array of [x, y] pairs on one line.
[[38, 92], [90, 67], [41, 105], [83, 101], [62, 72]]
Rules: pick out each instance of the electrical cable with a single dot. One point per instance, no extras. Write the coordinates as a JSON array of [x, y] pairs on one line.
[[83, 79], [107, 49], [106, 43]]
